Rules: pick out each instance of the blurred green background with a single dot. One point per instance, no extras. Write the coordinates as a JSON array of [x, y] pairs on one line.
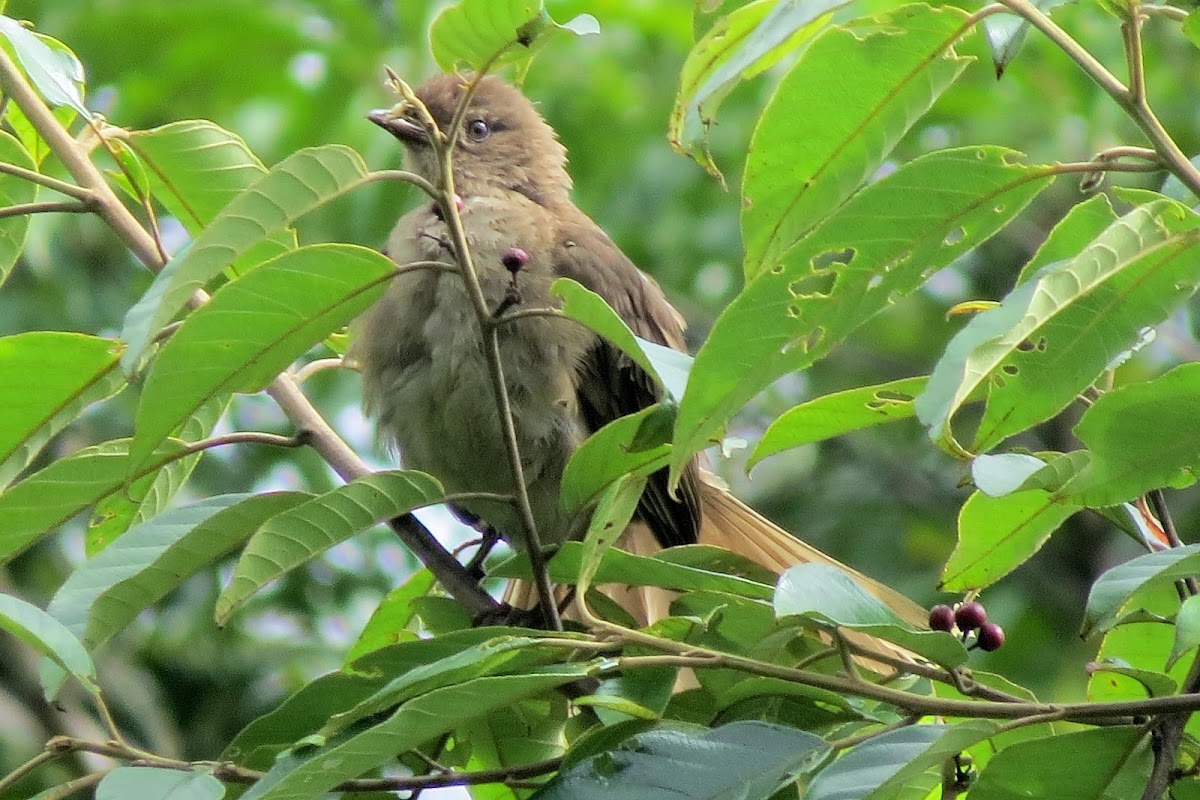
[[286, 74]]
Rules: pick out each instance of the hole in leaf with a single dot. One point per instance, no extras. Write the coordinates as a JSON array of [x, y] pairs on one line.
[[875, 281], [813, 285], [954, 237], [830, 257], [1009, 369], [999, 208]]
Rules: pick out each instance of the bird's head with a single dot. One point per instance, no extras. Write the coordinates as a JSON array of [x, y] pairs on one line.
[[504, 145]]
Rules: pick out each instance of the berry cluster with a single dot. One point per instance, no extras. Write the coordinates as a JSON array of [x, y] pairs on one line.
[[968, 618]]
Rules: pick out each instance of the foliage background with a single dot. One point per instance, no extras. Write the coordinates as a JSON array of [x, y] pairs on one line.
[[289, 74]]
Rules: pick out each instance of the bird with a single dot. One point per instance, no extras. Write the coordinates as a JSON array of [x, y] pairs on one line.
[[421, 354]]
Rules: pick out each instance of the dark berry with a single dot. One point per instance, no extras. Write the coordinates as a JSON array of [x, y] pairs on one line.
[[990, 637], [514, 258], [970, 616], [941, 618]]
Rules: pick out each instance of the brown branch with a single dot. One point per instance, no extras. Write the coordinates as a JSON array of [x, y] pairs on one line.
[[49, 207]]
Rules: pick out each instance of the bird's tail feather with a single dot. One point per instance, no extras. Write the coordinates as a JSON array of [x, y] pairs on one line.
[[731, 524]]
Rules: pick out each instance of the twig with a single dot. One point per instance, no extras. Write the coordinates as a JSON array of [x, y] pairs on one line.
[[245, 437], [313, 367], [62, 187], [71, 787], [443, 144], [50, 207], [850, 741], [29, 766]]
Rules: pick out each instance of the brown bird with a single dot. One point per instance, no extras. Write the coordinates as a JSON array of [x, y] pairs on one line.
[[423, 364]]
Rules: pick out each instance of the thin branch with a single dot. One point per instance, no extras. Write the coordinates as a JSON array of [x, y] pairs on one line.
[[851, 741], [62, 187], [405, 177], [233, 773], [51, 207], [313, 367], [247, 437], [11, 779], [1131, 32], [69, 788], [524, 313], [443, 144], [1170, 12]]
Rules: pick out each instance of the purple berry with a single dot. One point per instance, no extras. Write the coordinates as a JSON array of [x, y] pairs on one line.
[[514, 258], [970, 616], [941, 618], [990, 637]]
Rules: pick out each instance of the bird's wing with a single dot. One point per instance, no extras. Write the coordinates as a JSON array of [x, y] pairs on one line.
[[611, 385]]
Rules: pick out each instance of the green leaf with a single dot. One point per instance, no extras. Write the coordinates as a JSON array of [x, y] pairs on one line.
[[53, 70], [47, 378], [998, 534], [827, 595], [741, 44], [252, 329], [51, 496], [14, 191], [1141, 437], [469, 34], [877, 247], [107, 592], [388, 623], [158, 783], [415, 722], [636, 444], [49, 637], [1039, 348], [613, 512], [1080, 227], [741, 760], [1116, 586], [617, 566], [838, 413], [884, 766], [147, 496], [1100, 764], [1156, 684], [503, 655], [292, 537], [195, 168], [1187, 630], [301, 182], [585, 306], [836, 115]]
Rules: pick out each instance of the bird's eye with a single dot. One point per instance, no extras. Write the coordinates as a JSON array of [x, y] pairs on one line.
[[478, 130]]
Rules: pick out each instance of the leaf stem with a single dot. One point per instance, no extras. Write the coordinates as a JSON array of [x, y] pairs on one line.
[[51, 207]]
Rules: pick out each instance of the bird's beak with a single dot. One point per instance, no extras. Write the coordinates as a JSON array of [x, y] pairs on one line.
[[394, 122]]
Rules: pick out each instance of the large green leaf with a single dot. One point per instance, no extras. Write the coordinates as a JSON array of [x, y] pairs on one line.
[[252, 329], [470, 33], [738, 761], [159, 783], [1100, 764], [48, 498], [292, 537], [103, 595], [298, 184], [417, 721], [998, 534], [1055, 334], [14, 191], [47, 378], [838, 413], [1141, 437], [737, 47], [635, 444], [887, 765], [53, 70], [1114, 588], [389, 622], [877, 247], [827, 595], [195, 168], [1066, 240], [836, 115], [148, 495], [49, 637]]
